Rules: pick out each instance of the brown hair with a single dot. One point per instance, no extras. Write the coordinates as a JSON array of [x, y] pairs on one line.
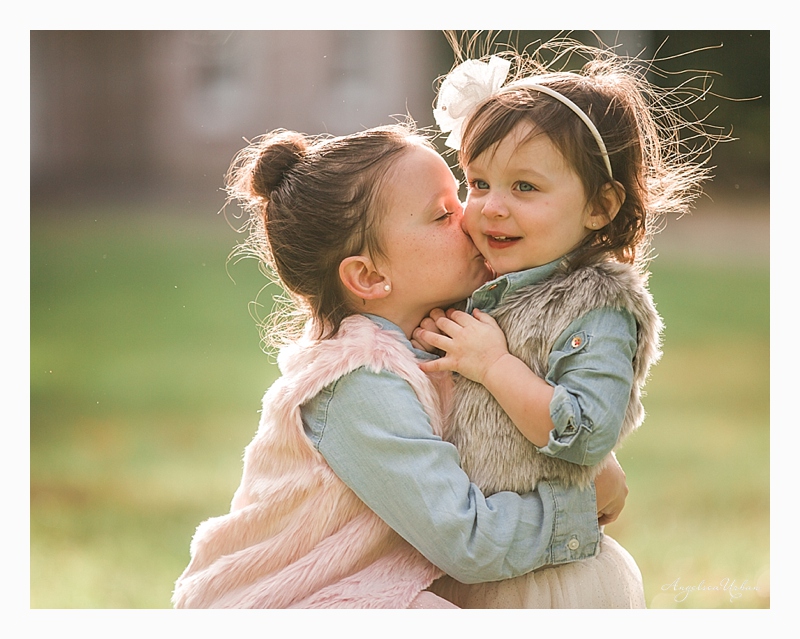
[[640, 128], [312, 202]]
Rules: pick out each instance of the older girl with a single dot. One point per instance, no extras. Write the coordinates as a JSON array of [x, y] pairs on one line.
[[349, 495]]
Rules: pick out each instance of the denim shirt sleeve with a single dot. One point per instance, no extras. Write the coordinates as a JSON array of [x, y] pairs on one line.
[[375, 435], [591, 370]]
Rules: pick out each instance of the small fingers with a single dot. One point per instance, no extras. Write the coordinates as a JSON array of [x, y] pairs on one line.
[[484, 317], [428, 324], [459, 317], [431, 338], [447, 326], [431, 366], [424, 346], [435, 365], [419, 346]]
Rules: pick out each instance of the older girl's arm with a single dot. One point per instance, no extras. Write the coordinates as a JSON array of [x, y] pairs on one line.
[[377, 438]]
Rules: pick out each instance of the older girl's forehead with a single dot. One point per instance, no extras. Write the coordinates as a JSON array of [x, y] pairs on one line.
[[420, 181]]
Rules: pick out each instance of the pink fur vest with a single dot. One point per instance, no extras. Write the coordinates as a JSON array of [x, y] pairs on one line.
[[296, 536]]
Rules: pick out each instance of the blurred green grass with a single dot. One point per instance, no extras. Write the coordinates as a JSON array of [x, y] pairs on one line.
[[146, 380]]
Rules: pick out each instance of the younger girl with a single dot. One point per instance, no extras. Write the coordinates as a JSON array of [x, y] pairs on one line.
[[349, 496], [566, 173]]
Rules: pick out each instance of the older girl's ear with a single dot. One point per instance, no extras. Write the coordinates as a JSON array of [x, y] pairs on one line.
[[606, 206], [360, 276]]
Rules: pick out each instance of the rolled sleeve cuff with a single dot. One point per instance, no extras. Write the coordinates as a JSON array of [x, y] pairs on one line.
[[569, 438], [576, 534]]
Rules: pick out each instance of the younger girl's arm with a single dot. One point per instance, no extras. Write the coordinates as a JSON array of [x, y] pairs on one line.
[[476, 348], [576, 412]]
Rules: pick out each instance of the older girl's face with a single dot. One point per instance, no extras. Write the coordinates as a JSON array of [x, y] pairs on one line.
[[430, 261]]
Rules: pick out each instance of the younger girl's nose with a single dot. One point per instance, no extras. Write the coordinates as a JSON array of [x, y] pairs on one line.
[[494, 205]]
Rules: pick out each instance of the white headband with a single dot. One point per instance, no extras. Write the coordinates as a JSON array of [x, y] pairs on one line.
[[472, 81]]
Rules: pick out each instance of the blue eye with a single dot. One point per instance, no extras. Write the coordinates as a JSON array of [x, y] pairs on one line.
[[479, 184], [524, 186]]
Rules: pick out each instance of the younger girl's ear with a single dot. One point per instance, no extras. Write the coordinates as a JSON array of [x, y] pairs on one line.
[[608, 203], [360, 276]]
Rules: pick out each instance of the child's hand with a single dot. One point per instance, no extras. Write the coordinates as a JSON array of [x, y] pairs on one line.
[[472, 343], [428, 324], [611, 490]]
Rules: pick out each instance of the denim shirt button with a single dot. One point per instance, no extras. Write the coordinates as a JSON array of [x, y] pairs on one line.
[[573, 544]]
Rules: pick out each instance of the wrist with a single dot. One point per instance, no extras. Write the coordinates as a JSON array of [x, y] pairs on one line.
[[495, 370]]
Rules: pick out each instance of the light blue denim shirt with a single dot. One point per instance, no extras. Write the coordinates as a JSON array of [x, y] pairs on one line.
[[375, 435], [592, 381]]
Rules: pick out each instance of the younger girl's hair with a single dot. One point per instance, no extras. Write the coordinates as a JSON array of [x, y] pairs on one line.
[[640, 124], [313, 201]]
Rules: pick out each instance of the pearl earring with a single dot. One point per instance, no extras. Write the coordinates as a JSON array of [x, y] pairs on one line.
[[387, 288]]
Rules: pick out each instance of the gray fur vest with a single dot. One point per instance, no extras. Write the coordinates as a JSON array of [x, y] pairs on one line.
[[494, 454]]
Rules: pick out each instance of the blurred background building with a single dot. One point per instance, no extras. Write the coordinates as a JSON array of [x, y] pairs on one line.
[[164, 110], [153, 112]]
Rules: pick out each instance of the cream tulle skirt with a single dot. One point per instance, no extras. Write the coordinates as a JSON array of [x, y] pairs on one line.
[[611, 579]]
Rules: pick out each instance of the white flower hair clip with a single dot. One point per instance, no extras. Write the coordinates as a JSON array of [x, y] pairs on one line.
[[463, 89], [472, 81]]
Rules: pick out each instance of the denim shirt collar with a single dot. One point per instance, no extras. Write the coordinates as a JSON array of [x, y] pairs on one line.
[[492, 294], [391, 326]]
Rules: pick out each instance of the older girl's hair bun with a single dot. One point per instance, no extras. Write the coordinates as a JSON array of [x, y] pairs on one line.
[[261, 167], [278, 153]]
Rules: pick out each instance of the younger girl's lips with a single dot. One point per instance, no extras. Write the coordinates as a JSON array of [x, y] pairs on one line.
[[501, 241]]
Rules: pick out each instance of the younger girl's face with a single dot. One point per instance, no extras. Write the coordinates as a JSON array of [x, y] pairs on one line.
[[526, 206], [430, 260]]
